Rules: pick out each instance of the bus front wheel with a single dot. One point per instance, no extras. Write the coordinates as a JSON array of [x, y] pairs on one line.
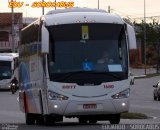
[[82, 120], [115, 119], [92, 121], [30, 119], [39, 119], [48, 120]]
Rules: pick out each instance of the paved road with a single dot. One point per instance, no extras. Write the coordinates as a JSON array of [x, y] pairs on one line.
[[9, 109], [142, 97]]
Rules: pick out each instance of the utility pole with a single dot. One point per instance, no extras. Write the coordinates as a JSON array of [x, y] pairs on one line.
[[13, 33], [42, 8], [55, 4], [98, 4], [109, 9], [145, 36]]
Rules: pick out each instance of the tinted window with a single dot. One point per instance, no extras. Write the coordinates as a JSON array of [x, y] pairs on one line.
[[80, 47]]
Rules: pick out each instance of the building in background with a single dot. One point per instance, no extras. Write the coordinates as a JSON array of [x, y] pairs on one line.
[[6, 31]]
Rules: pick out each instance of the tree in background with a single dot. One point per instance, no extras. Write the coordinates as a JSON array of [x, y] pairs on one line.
[[152, 40]]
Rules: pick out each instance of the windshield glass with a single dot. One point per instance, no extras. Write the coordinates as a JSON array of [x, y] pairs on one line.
[[82, 48], [5, 70]]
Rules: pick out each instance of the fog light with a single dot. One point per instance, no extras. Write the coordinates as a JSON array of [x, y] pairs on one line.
[[55, 106], [123, 104]]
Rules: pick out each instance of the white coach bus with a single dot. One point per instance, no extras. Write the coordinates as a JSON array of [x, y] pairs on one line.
[[62, 74], [8, 69]]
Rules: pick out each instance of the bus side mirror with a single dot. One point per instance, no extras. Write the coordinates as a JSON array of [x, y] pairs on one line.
[[131, 37], [45, 40]]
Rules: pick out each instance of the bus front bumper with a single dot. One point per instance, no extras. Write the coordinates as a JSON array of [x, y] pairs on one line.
[[75, 108]]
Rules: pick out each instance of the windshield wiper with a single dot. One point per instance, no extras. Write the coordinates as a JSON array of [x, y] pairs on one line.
[[70, 74], [114, 75]]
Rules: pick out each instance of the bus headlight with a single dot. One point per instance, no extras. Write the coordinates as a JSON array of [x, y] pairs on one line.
[[123, 94], [55, 96]]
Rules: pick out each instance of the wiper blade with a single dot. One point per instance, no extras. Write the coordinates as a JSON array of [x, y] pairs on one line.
[[72, 73], [109, 74], [115, 76]]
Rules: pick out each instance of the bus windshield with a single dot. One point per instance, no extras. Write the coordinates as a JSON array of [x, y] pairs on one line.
[[5, 70], [87, 52]]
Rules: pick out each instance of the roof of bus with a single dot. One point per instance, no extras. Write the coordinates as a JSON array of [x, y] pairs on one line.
[[8, 56], [81, 15], [75, 9]]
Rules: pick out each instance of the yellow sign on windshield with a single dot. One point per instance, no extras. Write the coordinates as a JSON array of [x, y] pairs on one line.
[[85, 33]]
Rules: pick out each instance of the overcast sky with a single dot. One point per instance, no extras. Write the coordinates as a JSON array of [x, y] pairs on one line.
[[131, 8]]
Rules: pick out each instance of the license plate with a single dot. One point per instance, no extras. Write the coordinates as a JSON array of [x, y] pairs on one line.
[[89, 106]]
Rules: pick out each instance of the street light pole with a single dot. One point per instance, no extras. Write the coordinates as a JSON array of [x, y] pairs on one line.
[[145, 35], [98, 4], [55, 4], [109, 9], [42, 8], [12, 10]]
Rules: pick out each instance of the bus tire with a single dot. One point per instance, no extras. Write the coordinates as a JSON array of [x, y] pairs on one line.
[[39, 119], [82, 120], [92, 121], [155, 98], [30, 119], [115, 119], [48, 120]]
